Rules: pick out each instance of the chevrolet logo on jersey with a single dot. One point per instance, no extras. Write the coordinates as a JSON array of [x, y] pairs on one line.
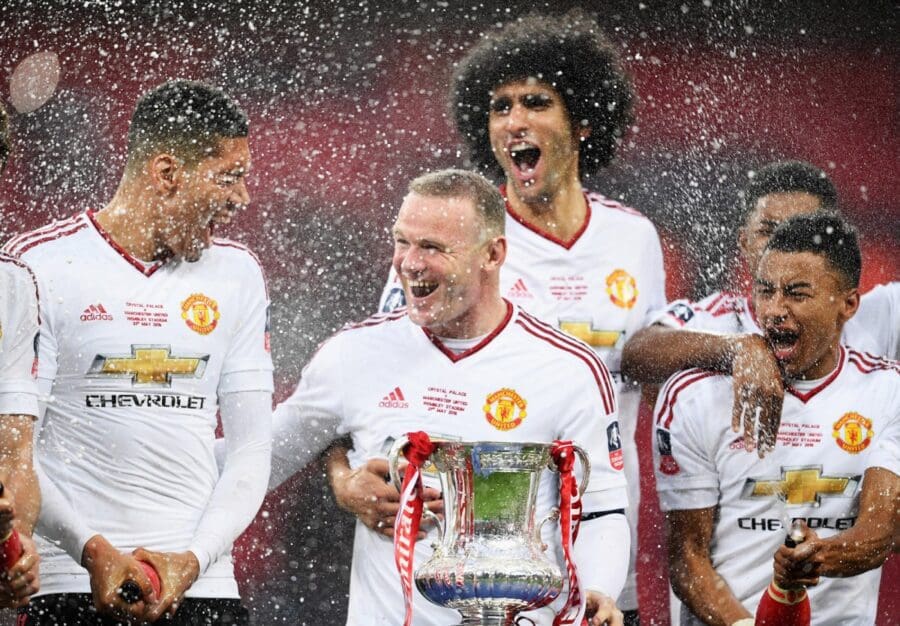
[[802, 485], [591, 336], [148, 365]]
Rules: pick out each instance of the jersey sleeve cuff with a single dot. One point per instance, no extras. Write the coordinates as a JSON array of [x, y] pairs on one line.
[[256, 378], [18, 403], [605, 500], [687, 499]]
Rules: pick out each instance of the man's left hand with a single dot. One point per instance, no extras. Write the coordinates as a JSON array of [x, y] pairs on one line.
[[21, 581], [177, 572], [601, 609], [800, 566]]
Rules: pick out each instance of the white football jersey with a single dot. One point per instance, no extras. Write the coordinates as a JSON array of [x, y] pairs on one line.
[[19, 323], [603, 286], [525, 381], [133, 356], [875, 328], [831, 431]]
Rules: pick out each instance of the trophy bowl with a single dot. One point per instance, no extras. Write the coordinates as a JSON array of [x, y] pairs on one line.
[[489, 562]]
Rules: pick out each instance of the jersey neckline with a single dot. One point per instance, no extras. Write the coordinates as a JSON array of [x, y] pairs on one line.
[[541, 232], [806, 396], [147, 269], [454, 356]]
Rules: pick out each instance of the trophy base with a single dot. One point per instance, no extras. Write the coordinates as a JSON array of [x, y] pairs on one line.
[[487, 616]]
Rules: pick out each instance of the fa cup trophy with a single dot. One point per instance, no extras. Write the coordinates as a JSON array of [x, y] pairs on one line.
[[489, 562]]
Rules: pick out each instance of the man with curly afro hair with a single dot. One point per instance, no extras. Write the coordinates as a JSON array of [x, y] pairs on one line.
[[541, 102]]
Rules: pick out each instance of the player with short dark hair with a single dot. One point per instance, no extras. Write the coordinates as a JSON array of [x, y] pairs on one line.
[[153, 326], [720, 332], [727, 511]]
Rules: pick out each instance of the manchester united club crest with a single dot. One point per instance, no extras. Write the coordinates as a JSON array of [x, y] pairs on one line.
[[505, 409], [853, 433], [622, 288], [200, 313]]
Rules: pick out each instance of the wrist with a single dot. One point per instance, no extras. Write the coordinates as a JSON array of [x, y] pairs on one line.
[[93, 550]]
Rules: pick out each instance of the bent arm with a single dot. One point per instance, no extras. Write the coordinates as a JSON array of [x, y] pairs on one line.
[[239, 492], [656, 352], [17, 469], [602, 552], [693, 577]]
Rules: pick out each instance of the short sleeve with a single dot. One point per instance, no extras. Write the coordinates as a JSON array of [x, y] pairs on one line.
[[886, 447], [595, 427], [876, 326], [683, 457], [19, 325], [248, 361]]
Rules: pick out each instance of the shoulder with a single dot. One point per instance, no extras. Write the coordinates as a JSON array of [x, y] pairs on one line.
[[567, 355], [881, 299], [721, 303], [373, 336], [376, 324], [618, 211], [683, 388], [15, 270], [232, 256], [29, 244], [868, 364]]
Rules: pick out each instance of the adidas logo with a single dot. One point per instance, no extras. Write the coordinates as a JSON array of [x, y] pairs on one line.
[[394, 400], [96, 312], [519, 290]]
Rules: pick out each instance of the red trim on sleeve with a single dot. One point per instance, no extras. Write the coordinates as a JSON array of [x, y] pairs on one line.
[[674, 387]]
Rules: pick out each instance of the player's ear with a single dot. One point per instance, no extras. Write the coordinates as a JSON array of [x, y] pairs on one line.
[[849, 304], [495, 253], [165, 171]]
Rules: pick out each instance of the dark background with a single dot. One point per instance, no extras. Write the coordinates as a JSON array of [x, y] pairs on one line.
[[347, 104]]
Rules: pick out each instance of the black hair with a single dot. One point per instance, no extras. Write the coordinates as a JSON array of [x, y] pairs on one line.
[[791, 176], [569, 53], [186, 118], [825, 234]]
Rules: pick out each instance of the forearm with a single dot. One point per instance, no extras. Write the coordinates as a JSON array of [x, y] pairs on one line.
[[657, 352], [17, 473], [241, 488], [870, 541], [337, 466], [610, 537], [59, 522], [298, 439], [703, 591]]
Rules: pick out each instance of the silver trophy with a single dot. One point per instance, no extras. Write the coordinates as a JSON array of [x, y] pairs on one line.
[[489, 561]]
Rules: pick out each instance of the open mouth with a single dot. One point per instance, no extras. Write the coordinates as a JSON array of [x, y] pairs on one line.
[[783, 342], [525, 157], [421, 288]]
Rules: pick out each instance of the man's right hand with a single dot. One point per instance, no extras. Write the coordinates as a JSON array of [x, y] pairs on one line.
[[367, 493], [109, 569], [758, 393], [21, 581]]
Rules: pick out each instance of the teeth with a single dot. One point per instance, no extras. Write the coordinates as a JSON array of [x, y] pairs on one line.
[[516, 147]]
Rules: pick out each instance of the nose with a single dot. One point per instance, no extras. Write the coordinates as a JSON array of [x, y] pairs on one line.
[[517, 119], [240, 197], [410, 261], [773, 307]]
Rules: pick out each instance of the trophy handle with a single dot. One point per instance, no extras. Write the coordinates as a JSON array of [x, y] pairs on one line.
[[394, 460], [552, 516], [394, 464], [585, 466]]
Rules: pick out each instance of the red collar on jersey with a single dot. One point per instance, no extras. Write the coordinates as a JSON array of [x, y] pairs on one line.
[[147, 269], [460, 356], [805, 396], [565, 244]]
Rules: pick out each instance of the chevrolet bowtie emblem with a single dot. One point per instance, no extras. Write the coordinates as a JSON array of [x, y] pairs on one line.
[[802, 485], [591, 336], [148, 365]]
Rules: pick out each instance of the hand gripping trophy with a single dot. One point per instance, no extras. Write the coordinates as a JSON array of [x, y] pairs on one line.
[[489, 561]]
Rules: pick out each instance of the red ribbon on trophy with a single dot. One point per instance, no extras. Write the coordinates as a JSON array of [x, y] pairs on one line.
[[563, 454], [406, 526]]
